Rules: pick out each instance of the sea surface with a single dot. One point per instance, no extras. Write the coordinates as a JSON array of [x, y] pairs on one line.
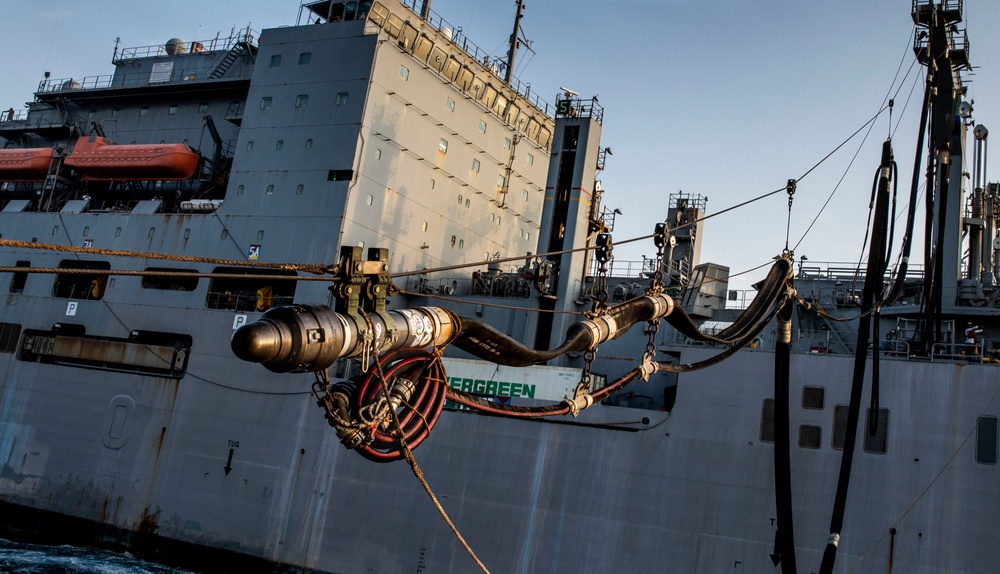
[[19, 558]]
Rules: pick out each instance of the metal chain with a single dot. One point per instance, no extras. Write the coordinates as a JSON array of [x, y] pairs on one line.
[[660, 240]]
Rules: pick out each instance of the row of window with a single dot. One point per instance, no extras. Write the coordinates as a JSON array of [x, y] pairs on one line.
[[304, 58], [811, 436], [144, 111], [478, 87], [223, 293]]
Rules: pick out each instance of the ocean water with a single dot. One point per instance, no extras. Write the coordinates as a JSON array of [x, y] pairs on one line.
[[19, 558]]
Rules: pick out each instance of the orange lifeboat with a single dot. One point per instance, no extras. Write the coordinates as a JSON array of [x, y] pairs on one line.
[[96, 158], [25, 164]]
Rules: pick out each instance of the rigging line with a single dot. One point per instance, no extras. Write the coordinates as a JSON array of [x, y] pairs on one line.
[[229, 234], [933, 481], [408, 455], [151, 273], [496, 305], [850, 164], [909, 95], [843, 143], [165, 256]]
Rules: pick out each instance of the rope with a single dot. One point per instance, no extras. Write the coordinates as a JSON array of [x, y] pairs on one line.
[[408, 455], [148, 273], [319, 269]]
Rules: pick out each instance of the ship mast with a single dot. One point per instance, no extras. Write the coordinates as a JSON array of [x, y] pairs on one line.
[[514, 39]]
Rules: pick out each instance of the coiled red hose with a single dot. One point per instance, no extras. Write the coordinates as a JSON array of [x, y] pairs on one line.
[[418, 415]]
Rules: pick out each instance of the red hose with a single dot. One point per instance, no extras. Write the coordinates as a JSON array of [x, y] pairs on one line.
[[418, 415]]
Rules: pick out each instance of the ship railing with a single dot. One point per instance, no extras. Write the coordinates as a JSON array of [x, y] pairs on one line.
[[12, 115], [207, 47], [971, 352], [136, 80], [849, 271], [497, 65]]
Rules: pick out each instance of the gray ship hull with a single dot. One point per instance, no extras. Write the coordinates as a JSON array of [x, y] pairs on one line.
[[692, 491]]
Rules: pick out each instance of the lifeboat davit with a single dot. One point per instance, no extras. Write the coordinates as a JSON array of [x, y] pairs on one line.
[[25, 164], [97, 158]]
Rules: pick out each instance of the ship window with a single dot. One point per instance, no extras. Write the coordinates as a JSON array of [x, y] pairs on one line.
[[202, 108], [20, 277], [173, 280], [432, 184], [341, 98], [225, 234], [498, 220], [482, 126], [279, 144], [299, 189], [370, 200], [340, 175], [467, 204], [116, 112], [812, 397], [493, 217], [143, 111], [461, 244], [305, 58], [524, 194], [239, 189], [810, 436], [118, 232], [250, 145], [986, 440], [301, 100], [424, 227], [450, 104], [270, 189], [767, 421], [361, 244], [86, 230], [172, 109], [506, 143], [275, 60], [260, 234], [453, 240], [80, 285], [250, 294], [475, 165], [378, 153], [55, 230], [500, 181], [443, 145], [9, 334], [265, 103], [527, 236], [404, 72], [91, 114], [460, 199], [531, 159], [309, 144]]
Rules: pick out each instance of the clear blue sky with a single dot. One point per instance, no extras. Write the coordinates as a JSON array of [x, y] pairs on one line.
[[723, 98]]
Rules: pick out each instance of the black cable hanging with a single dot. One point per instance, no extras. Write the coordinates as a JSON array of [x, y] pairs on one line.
[[784, 540], [872, 289]]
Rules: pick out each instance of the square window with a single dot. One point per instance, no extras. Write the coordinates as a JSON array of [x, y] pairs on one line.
[[202, 108], [305, 58], [404, 72], [475, 165], [91, 114], [810, 436], [500, 181], [265, 103], [301, 100], [450, 104], [443, 145], [172, 109], [275, 60], [482, 126], [506, 143], [341, 98], [143, 111], [812, 397], [116, 112]]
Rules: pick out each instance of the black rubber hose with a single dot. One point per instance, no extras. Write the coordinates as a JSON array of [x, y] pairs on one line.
[[785, 539]]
